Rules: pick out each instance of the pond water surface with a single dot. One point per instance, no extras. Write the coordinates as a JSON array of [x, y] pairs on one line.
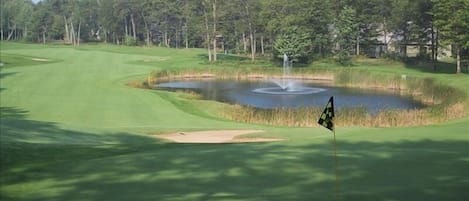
[[247, 93]]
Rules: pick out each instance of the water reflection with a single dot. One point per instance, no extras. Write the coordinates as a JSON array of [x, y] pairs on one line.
[[244, 93]]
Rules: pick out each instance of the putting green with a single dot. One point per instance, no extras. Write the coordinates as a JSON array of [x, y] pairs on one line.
[[71, 129]]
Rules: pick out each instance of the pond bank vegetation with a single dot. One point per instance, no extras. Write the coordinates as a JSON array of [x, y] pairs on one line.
[[442, 102]]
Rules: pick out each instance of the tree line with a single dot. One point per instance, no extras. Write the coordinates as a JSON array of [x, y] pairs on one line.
[[303, 29]]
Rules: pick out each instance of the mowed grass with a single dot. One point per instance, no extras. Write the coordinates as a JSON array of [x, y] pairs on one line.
[[71, 129]]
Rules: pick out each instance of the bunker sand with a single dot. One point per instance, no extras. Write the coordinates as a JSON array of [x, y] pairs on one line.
[[217, 136], [40, 59]]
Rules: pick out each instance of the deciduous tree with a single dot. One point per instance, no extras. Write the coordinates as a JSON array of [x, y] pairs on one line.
[[452, 22]]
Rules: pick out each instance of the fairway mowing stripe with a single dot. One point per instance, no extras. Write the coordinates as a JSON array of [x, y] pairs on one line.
[[407, 150], [321, 136], [394, 150]]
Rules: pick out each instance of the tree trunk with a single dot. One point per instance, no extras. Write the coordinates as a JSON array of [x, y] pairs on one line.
[[214, 30], [98, 37], [177, 38], [437, 44], [433, 47], [78, 38], [358, 46], [208, 48], [134, 31], [71, 29], [148, 38], [187, 41], [168, 40], [262, 45], [236, 42], [25, 32], [214, 49], [253, 44], [165, 38], [251, 34], [12, 32], [106, 35], [126, 27], [404, 47], [44, 37], [1, 33], [147, 30], [458, 59], [223, 47], [245, 43], [67, 34], [207, 36], [385, 29], [186, 38], [70, 33]]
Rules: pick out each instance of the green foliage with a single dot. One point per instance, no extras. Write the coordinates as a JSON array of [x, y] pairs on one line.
[[346, 30], [452, 21], [306, 28], [295, 43], [130, 41]]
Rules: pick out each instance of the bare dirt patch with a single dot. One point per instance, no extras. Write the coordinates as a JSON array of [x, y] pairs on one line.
[[153, 59], [218, 136]]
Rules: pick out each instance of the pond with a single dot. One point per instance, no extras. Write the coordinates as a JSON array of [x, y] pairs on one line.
[[268, 95]]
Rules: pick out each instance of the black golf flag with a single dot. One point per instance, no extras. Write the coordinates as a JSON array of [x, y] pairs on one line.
[[328, 115], [326, 120]]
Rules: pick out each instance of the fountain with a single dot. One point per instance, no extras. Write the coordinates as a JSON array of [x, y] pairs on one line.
[[287, 86], [287, 65], [288, 93]]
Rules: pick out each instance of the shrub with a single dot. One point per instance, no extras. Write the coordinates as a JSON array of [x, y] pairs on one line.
[[130, 41]]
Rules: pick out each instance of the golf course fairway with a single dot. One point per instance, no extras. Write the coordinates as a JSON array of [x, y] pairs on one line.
[[72, 129]]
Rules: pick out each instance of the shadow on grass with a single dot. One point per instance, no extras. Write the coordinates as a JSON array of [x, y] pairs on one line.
[[29, 141], [16, 60], [407, 170], [223, 57], [440, 67], [231, 60], [4, 75]]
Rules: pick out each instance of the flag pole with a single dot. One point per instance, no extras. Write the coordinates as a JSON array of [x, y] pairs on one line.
[[326, 119], [336, 165]]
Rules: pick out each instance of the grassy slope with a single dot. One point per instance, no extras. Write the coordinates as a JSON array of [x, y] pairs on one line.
[[72, 130]]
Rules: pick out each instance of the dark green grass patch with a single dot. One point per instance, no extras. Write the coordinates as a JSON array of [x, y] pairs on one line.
[[380, 169], [15, 60]]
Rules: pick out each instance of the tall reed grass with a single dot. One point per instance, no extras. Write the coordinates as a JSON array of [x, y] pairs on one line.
[[307, 117], [236, 74]]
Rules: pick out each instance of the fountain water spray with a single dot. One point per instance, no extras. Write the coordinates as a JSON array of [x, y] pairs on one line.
[[287, 86], [286, 83], [287, 65]]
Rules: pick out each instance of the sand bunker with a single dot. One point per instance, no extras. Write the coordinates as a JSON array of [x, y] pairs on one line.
[[39, 59], [152, 59], [220, 136]]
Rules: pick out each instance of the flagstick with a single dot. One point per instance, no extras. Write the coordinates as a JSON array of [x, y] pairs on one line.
[[336, 166]]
